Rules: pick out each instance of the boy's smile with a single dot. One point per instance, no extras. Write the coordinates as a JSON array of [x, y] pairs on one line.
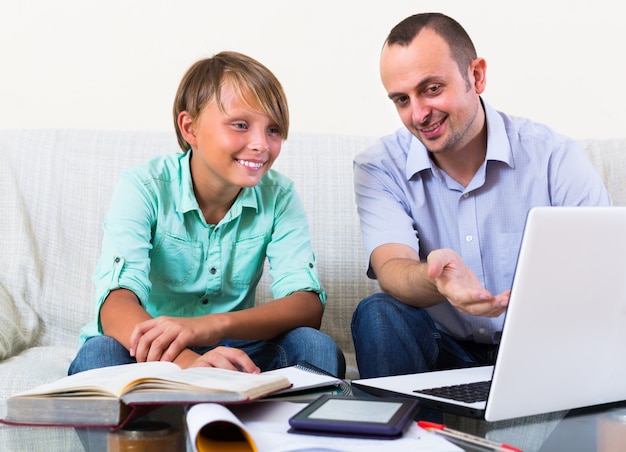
[[251, 165]]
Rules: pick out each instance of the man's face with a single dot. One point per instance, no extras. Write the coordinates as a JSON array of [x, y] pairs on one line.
[[435, 102]]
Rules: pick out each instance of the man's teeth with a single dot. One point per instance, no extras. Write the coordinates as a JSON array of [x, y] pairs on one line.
[[432, 127], [250, 164]]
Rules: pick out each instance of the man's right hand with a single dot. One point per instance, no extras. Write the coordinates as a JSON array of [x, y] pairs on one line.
[[460, 286]]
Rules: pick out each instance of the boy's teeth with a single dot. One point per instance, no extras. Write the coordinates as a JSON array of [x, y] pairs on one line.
[[250, 164]]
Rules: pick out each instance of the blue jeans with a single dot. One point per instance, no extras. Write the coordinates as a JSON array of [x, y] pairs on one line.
[[393, 338], [298, 345]]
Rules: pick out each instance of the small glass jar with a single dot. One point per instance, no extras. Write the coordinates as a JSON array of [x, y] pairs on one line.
[[611, 431], [146, 436]]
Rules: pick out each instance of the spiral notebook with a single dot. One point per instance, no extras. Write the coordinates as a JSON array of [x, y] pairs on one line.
[[563, 338], [308, 383]]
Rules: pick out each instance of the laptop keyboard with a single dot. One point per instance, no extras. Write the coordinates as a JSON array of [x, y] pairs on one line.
[[467, 392]]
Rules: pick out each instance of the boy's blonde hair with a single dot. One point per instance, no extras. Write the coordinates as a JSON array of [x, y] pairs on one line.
[[255, 84]]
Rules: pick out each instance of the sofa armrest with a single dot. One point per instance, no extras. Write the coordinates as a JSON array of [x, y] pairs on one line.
[[13, 337]]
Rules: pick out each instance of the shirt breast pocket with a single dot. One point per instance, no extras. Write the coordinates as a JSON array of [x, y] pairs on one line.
[[247, 257], [176, 261]]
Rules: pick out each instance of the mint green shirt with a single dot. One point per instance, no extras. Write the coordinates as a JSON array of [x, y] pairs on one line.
[[157, 244]]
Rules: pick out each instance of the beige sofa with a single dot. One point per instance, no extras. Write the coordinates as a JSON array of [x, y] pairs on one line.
[[55, 187]]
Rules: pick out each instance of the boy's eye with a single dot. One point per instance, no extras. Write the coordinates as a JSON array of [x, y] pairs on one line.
[[241, 125], [273, 130]]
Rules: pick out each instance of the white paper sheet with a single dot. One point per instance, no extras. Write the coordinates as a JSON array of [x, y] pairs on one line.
[[268, 422]]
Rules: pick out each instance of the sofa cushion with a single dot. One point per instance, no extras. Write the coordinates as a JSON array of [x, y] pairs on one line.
[[13, 336]]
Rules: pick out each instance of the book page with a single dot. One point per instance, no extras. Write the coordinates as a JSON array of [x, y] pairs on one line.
[[116, 381], [213, 379], [103, 381]]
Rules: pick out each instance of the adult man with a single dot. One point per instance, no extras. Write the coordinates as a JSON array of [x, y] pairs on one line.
[[443, 203]]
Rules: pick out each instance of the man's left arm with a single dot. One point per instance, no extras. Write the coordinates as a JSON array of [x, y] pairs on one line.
[[574, 179]]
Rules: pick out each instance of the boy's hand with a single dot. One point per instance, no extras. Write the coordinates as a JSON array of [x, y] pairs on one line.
[[227, 358], [223, 357], [163, 338]]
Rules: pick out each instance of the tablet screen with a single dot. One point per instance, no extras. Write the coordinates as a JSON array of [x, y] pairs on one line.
[[356, 410]]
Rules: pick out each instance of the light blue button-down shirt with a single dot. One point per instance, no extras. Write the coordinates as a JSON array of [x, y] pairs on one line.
[[402, 197], [157, 244]]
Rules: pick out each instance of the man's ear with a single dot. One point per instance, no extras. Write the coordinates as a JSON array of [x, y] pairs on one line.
[[187, 127], [478, 75]]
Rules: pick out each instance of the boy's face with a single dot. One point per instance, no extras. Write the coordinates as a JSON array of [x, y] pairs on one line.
[[232, 148]]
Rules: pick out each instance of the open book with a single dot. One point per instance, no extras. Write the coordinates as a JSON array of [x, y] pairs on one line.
[[110, 395]]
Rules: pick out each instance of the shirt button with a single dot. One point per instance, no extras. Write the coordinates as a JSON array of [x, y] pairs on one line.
[[469, 238], [310, 265], [466, 195], [213, 271], [205, 301], [117, 259], [481, 331]]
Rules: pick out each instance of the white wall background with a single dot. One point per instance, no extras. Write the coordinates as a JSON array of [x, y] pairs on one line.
[[116, 64]]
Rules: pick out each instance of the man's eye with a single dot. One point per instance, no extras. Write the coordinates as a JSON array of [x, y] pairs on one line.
[[400, 100], [433, 89]]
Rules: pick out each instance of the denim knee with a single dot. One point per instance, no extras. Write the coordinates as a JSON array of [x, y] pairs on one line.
[[315, 347], [380, 308], [391, 337], [100, 351], [373, 310]]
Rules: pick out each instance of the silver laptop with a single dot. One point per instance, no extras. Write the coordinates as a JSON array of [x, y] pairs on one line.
[[564, 337]]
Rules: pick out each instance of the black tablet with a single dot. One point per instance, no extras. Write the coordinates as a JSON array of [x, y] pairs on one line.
[[355, 416]]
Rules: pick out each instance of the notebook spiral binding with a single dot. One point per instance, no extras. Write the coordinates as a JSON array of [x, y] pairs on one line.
[[343, 387]]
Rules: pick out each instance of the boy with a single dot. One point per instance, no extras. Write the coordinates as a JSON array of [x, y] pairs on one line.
[[187, 235]]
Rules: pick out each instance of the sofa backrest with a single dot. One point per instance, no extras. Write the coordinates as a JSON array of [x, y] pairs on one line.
[[55, 188]]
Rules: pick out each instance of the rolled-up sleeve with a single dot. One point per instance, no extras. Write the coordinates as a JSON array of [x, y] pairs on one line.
[[292, 262], [125, 258]]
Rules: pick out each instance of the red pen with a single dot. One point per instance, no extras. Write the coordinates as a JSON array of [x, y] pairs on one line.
[[445, 431]]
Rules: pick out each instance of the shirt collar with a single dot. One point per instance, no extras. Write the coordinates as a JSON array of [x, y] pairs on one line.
[[246, 198], [187, 197], [498, 146]]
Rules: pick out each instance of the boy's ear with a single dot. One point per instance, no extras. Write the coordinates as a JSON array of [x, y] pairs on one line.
[[187, 128]]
